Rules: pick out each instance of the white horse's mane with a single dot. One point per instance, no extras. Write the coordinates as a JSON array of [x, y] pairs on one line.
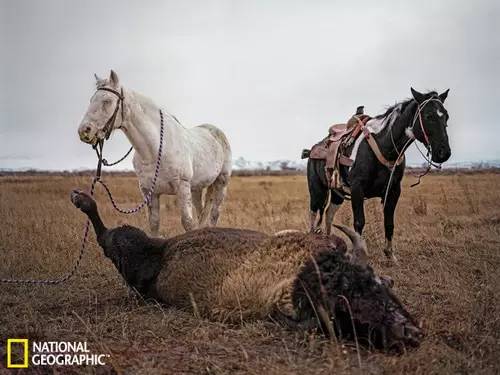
[[144, 100]]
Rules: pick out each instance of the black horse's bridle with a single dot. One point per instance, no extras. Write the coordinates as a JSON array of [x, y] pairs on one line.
[[418, 115]]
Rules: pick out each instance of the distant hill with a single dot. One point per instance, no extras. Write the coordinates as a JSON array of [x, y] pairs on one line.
[[243, 166]]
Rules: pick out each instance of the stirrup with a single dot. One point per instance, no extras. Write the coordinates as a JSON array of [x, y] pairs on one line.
[[334, 182]]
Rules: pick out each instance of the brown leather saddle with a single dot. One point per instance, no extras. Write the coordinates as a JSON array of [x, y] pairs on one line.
[[333, 149]]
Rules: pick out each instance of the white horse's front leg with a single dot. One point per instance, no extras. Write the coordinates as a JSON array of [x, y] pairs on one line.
[[186, 205], [154, 214]]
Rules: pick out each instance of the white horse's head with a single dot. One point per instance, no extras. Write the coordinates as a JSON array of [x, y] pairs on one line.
[[104, 108]]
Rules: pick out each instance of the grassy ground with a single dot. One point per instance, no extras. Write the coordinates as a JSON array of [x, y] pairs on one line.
[[447, 238]]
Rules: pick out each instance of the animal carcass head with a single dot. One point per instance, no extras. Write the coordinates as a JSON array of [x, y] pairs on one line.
[[346, 298]]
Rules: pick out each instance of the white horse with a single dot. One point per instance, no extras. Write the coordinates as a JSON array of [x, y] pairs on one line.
[[192, 159]]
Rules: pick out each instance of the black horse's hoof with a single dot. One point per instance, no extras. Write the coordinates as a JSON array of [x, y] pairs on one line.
[[390, 257]]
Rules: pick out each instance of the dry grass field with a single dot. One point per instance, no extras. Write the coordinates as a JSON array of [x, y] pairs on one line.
[[447, 239]]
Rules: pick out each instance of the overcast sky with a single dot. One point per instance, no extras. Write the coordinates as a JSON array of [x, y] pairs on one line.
[[272, 74]]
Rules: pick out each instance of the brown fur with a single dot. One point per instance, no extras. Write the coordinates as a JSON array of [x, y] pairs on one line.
[[236, 274]]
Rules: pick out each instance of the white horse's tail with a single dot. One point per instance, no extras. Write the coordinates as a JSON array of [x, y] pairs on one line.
[[221, 138], [217, 191]]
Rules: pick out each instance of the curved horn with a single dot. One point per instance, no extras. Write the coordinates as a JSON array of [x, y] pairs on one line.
[[359, 248]]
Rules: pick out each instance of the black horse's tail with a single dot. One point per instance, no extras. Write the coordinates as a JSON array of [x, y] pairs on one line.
[[305, 153], [325, 206]]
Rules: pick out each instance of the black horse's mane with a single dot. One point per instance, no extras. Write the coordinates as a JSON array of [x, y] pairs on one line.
[[403, 103]]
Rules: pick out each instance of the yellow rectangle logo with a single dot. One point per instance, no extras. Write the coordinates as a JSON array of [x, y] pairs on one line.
[[24, 342]]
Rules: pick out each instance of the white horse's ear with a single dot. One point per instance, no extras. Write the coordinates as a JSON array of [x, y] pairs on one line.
[[113, 78], [97, 78]]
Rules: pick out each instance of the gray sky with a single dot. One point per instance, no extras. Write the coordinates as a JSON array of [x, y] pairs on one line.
[[272, 74]]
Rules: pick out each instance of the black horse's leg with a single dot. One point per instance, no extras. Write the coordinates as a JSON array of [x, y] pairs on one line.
[[389, 208], [358, 211], [335, 202], [318, 193], [317, 206]]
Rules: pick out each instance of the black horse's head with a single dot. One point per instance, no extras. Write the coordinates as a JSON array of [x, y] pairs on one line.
[[431, 129]]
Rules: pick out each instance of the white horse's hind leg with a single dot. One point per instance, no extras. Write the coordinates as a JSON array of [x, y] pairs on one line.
[[198, 203], [207, 208], [217, 190], [154, 214], [219, 193], [186, 205]]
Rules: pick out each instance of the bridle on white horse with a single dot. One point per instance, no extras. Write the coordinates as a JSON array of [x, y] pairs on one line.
[[98, 147], [109, 126]]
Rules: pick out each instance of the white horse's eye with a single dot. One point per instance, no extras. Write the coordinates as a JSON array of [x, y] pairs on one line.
[[439, 113]]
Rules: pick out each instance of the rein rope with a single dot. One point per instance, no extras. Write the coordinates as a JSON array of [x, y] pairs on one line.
[[66, 277], [147, 196], [95, 180], [426, 157], [418, 115], [107, 164]]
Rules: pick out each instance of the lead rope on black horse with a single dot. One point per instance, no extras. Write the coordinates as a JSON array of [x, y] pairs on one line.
[[427, 158], [418, 115], [95, 180]]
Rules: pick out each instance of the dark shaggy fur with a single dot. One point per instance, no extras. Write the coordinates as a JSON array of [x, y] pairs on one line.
[[344, 290], [136, 256]]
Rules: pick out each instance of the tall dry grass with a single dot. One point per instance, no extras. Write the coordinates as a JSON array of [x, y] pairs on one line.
[[447, 238]]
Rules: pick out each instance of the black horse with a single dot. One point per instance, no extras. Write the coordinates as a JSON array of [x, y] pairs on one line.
[[423, 118]]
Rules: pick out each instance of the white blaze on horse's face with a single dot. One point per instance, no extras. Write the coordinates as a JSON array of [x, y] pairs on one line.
[[101, 108], [439, 113]]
